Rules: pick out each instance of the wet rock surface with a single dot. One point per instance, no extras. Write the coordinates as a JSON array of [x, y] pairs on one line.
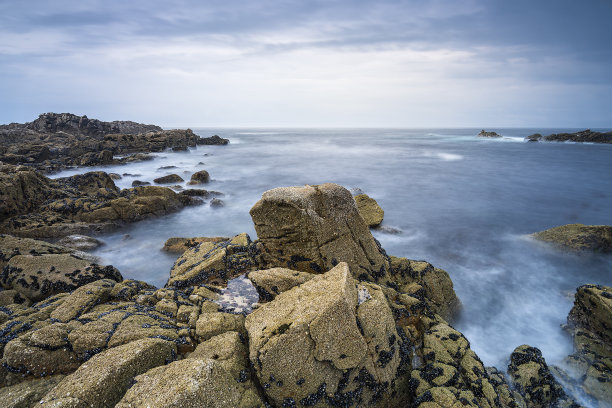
[[582, 136], [579, 237], [179, 245]]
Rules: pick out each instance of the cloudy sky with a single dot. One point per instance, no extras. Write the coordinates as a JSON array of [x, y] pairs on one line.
[[310, 63]]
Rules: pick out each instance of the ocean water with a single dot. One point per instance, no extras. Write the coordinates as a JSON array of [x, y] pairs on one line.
[[462, 203]]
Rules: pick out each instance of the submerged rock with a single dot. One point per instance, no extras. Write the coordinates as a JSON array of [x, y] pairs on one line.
[[313, 228], [80, 242], [369, 210], [579, 237]]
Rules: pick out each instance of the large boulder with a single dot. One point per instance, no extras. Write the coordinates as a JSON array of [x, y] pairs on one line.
[[579, 237], [369, 210], [318, 343], [313, 228], [40, 276]]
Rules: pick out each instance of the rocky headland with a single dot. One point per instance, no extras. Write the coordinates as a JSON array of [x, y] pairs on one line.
[[587, 136], [53, 142], [339, 323]]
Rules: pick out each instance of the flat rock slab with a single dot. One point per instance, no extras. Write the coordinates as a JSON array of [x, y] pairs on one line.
[[40, 276]]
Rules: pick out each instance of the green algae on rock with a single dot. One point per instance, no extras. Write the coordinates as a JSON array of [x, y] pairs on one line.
[[579, 237]]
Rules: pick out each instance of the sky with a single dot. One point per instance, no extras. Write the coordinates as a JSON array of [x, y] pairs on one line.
[[310, 63]]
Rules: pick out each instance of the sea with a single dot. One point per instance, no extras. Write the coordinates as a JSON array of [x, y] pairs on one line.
[[464, 203]]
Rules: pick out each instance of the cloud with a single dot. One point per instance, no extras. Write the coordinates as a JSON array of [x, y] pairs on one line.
[[396, 63]]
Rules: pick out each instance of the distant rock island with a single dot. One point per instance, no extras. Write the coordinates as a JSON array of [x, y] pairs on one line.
[[55, 141], [484, 133], [583, 136]]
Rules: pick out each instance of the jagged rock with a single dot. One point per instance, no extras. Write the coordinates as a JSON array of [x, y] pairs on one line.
[[314, 343], [271, 282], [199, 177], [213, 140], [533, 379], [40, 276], [369, 210], [579, 237], [209, 262], [313, 228], [79, 204], [450, 374], [171, 178], [582, 136], [484, 133], [103, 380], [27, 394], [180, 245], [590, 323], [80, 242], [431, 285]]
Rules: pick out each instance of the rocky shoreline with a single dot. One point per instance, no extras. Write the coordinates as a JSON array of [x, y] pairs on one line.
[[585, 136], [338, 321], [54, 142]]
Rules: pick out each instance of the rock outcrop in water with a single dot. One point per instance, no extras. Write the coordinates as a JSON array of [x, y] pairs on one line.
[[484, 133], [583, 136], [579, 237], [32, 205], [56, 141]]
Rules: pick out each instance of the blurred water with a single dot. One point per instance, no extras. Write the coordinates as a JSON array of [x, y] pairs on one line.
[[462, 203]]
